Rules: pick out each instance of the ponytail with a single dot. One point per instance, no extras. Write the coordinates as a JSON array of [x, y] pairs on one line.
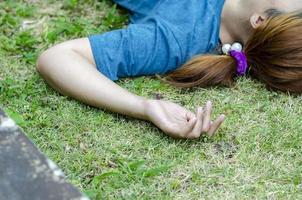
[[204, 71]]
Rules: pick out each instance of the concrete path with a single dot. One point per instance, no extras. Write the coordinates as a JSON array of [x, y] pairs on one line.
[[27, 174]]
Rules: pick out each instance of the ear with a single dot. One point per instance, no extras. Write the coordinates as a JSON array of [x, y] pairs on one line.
[[256, 20]]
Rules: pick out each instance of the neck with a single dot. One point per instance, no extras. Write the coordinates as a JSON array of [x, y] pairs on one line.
[[225, 35], [230, 29]]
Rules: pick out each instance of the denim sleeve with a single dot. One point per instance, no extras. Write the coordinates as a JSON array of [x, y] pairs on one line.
[[138, 6], [140, 49]]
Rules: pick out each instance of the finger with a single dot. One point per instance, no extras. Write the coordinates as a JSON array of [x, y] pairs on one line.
[[207, 117], [188, 127], [190, 115], [215, 125], [183, 129], [197, 130], [191, 124]]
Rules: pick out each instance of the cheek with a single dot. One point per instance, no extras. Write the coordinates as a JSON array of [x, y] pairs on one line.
[[290, 5]]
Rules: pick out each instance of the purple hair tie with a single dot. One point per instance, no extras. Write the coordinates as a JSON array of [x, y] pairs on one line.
[[235, 50], [241, 59]]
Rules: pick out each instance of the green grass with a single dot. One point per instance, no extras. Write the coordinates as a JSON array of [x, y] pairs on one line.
[[256, 155]]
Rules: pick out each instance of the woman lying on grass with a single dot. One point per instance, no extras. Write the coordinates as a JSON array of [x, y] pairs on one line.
[[162, 38]]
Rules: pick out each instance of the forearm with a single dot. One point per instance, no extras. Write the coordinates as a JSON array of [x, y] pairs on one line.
[[76, 77]]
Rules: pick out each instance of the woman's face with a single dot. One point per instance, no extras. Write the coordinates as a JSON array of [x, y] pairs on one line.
[[288, 5], [255, 11], [260, 6]]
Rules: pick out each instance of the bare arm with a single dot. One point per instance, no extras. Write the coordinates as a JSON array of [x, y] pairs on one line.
[[70, 69]]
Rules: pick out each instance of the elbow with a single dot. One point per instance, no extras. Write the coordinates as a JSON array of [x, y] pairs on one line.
[[46, 62], [41, 64]]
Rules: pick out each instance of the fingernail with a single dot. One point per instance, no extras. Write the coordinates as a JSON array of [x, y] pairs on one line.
[[200, 109], [209, 103]]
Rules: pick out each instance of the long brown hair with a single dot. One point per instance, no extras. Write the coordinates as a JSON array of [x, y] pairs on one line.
[[274, 53]]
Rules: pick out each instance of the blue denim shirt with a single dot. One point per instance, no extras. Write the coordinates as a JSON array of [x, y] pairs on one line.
[[162, 36]]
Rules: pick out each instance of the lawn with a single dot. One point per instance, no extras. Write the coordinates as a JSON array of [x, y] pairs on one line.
[[256, 155]]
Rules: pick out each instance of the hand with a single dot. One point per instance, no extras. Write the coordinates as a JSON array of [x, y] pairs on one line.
[[179, 122]]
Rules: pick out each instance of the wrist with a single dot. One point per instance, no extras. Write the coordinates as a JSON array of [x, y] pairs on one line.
[[140, 108], [146, 105]]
